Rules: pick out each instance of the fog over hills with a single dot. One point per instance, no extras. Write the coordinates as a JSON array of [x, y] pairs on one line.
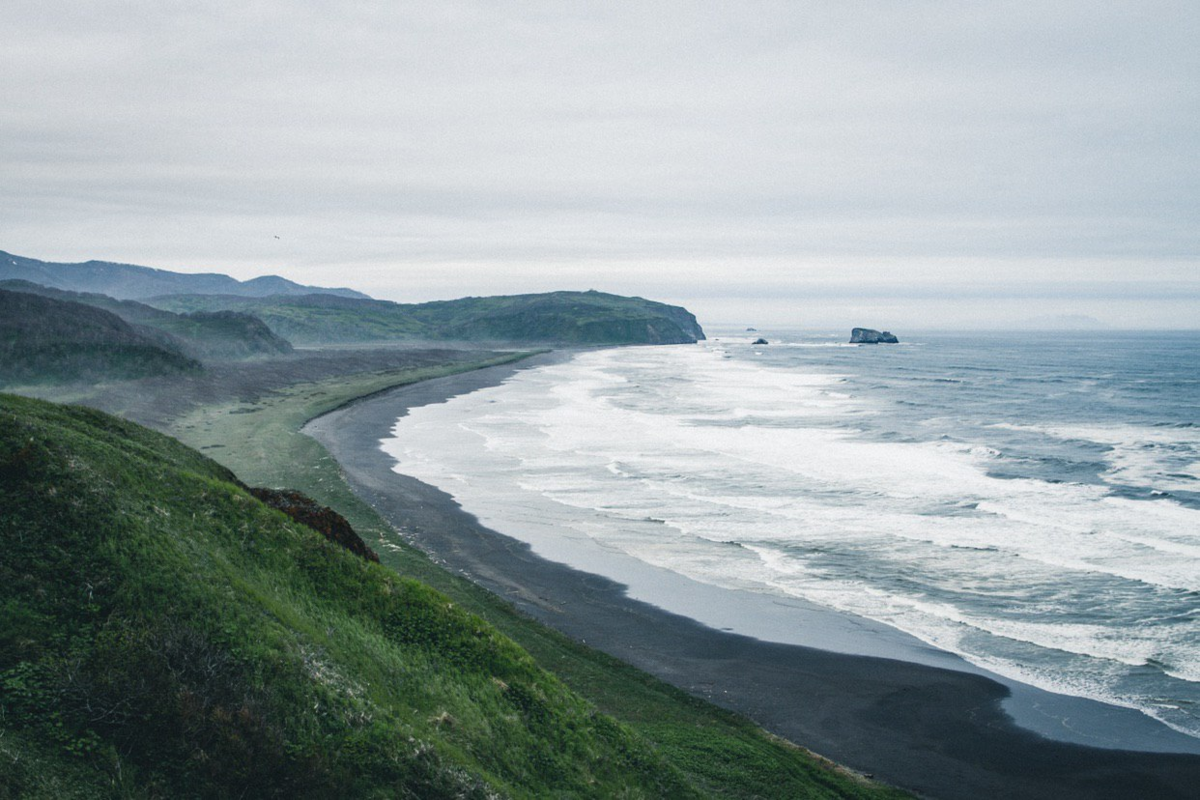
[[201, 335], [46, 341]]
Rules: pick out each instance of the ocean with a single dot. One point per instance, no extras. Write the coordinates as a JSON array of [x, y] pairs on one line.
[[1029, 502]]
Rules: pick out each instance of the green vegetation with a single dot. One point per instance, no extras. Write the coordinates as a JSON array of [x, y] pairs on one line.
[[47, 341], [222, 334], [166, 632], [168, 635], [260, 440], [564, 317], [201, 335], [720, 753]]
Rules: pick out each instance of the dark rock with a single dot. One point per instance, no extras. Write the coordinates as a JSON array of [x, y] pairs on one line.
[[868, 336], [322, 519], [751, 330], [761, 341]]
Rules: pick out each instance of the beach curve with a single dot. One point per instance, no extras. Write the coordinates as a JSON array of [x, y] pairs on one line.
[[936, 731]]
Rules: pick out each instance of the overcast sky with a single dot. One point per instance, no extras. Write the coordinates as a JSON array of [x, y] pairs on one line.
[[891, 164]]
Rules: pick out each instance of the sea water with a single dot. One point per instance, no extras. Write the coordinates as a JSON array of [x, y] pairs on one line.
[[1030, 502]]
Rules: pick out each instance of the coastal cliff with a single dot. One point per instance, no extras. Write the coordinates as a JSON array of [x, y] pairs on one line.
[[573, 318]]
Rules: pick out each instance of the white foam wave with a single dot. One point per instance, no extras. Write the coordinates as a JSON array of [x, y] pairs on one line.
[[669, 454], [1157, 457]]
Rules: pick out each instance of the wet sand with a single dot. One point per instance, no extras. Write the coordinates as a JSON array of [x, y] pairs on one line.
[[940, 732]]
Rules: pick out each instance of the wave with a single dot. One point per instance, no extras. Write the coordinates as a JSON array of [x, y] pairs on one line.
[[1052, 579], [1156, 456]]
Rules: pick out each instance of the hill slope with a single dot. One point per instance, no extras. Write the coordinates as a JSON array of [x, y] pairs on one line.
[[203, 334], [582, 318], [43, 340], [166, 634], [127, 281]]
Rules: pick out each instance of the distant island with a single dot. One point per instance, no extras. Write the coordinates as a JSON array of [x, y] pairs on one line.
[[869, 336]]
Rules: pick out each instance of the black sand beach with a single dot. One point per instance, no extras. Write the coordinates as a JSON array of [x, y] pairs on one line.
[[938, 732]]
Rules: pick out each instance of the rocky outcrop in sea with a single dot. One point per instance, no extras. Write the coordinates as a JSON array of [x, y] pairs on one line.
[[869, 336]]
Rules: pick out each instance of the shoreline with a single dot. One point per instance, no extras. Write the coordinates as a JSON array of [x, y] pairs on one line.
[[935, 730]]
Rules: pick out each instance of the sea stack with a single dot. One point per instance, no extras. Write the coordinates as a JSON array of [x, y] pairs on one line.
[[868, 336]]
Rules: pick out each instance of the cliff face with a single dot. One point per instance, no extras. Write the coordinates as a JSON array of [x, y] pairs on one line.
[[868, 336]]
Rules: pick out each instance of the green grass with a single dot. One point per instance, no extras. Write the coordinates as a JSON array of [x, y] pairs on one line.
[[260, 440], [168, 635], [575, 317], [721, 753]]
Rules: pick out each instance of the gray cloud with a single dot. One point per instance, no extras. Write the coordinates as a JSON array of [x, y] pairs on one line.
[[439, 149]]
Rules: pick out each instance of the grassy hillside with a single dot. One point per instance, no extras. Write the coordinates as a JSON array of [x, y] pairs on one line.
[[47, 341], [721, 754], [224, 335], [166, 634], [561, 317], [202, 335], [128, 281]]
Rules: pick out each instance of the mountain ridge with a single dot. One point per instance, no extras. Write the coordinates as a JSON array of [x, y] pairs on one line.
[[566, 317], [133, 282]]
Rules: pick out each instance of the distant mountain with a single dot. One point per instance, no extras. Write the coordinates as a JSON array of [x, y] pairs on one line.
[[129, 282], [589, 318], [43, 340], [203, 335]]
